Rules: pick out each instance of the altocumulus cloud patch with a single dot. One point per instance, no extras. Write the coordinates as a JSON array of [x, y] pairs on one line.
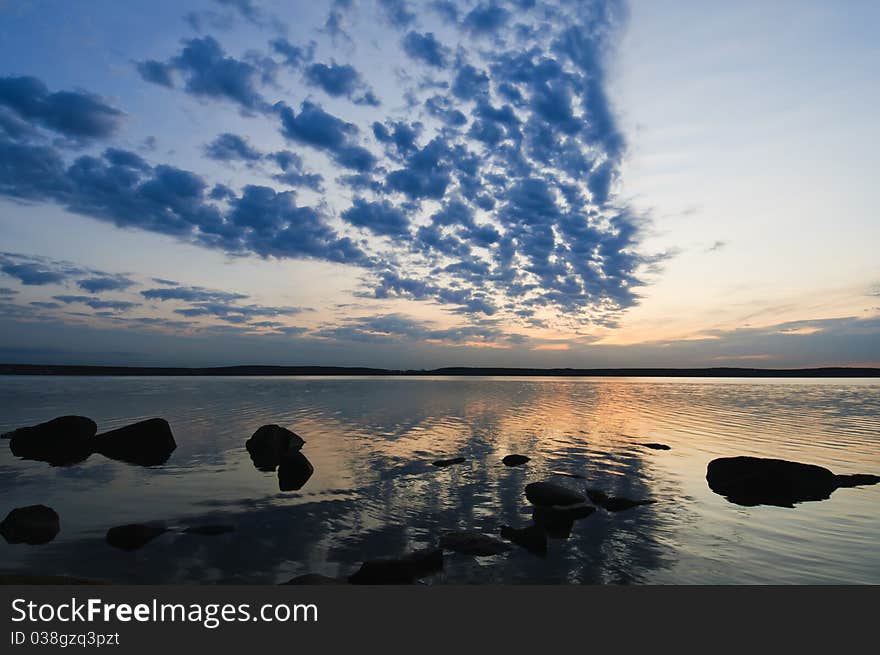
[[484, 182]]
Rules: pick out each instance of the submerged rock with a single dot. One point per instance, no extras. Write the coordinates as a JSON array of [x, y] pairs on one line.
[[754, 481], [209, 530], [449, 462], [549, 494], [313, 579], [294, 471], [404, 570], [558, 520], [615, 503], [270, 443], [135, 535], [60, 442], [146, 443], [473, 543], [515, 460], [32, 525], [533, 538], [656, 446]]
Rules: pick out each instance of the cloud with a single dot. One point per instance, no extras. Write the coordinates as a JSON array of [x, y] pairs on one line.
[[425, 48], [399, 327], [294, 55], [209, 73], [397, 13], [231, 147], [338, 80], [74, 114], [115, 305], [105, 283], [381, 217], [486, 18]]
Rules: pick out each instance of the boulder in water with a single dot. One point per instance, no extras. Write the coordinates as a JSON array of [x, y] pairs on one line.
[[270, 443], [533, 538], [294, 471], [32, 525], [656, 446], [60, 442], [549, 494], [135, 535], [449, 462], [615, 503], [558, 520], [146, 443], [404, 570], [473, 543], [752, 481], [515, 460]]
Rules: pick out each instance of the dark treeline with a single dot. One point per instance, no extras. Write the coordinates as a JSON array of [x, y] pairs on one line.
[[828, 372]]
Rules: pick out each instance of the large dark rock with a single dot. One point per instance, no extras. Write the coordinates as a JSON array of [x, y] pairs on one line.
[[270, 443], [294, 471], [656, 446], [515, 460], [473, 543], [33, 525], [533, 538], [449, 462], [754, 481], [615, 503], [404, 570], [60, 442], [146, 443], [548, 494], [313, 579], [135, 535], [558, 520]]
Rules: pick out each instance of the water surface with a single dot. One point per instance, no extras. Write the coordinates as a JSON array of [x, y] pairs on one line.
[[375, 494]]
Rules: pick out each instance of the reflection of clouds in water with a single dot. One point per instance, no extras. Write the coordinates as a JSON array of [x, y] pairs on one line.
[[375, 494]]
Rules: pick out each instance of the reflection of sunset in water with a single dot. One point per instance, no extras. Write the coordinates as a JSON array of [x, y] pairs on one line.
[[375, 494]]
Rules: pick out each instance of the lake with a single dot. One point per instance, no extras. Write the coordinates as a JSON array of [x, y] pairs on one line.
[[375, 494]]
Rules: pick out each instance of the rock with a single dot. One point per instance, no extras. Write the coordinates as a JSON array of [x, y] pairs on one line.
[[615, 504], [313, 579], [558, 520], [294, 471], [752, 481], [135, 535], [549, 494], [515, 460], [146, 443], [209, 530], [656, 446], [33, 525], [473, 543], [449, 462], [533, 538], [60, 442], [268, 445], [404, 570]]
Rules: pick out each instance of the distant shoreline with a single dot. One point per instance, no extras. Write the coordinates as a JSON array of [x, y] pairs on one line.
[[452, 371]]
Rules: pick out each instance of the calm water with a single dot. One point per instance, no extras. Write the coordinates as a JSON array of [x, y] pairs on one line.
[[374, 493]]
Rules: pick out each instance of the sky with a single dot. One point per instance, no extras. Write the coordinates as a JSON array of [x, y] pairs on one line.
[[420, 184]]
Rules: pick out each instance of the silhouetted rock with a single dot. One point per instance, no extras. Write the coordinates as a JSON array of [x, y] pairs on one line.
[[62, 441], [473, 543], [615, 503], [754, 481], [33, 525], [270, 443], [533, 538], [209, 530], [135, 535], [449, 462], [550, 494], [146, 443], [515, 460], [314, 579], [656, 446], [294, 471], [404, 570], [558, 520]]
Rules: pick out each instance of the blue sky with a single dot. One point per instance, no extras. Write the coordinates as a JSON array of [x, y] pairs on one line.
[[406, 184]]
